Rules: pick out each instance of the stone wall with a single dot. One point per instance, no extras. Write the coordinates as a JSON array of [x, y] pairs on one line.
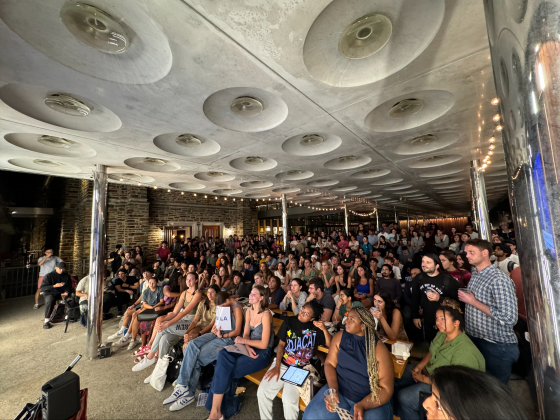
[[136, 216], [38, 236]]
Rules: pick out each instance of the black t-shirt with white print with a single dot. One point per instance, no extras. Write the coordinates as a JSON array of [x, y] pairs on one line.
[[302, 340]]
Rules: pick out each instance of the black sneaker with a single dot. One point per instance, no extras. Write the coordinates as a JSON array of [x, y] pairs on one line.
[[120, 314], [47, 325]]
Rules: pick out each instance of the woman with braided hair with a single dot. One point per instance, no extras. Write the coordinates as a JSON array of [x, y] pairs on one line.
[[359, 367], [451, 346]]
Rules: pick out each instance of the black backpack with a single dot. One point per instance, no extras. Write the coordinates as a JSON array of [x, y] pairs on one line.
[[174, 366]]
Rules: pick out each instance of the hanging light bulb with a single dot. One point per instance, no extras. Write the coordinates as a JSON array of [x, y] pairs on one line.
[[499, 128], [205, 196], [492, 147], [495, 101], [182, 193], [496, 118], [488, 161], [490, 152], [139, 184], [492, 139], [168, 190], [155, 188]]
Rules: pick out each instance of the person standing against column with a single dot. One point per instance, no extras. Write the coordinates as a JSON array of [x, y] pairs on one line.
[[47, 265], [491, 311]]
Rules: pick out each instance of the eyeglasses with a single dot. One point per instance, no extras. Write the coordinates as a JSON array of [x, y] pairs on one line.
[[306, 314]]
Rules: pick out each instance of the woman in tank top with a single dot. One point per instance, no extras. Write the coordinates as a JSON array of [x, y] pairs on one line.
[[360, 367], [257, 340], [389, 318], [203, 350]]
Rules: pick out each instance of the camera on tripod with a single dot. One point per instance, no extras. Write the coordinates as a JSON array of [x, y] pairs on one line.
[[60, 398]]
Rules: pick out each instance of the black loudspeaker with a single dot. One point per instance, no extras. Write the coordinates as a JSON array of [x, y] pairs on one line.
[[61, 396]]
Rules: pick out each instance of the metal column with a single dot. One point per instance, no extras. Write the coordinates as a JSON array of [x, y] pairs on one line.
[[525, 58], [407, 222], [96, 260], [479, 201], [397, 220], [285, 223], [377, 219], [346, 218]]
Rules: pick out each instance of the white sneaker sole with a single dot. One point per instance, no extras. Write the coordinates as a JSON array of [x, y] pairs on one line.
[[180, 408], [181, 396]]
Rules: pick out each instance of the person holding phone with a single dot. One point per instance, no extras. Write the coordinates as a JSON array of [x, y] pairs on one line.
[[55, 286], [46, 264], [389, 318]]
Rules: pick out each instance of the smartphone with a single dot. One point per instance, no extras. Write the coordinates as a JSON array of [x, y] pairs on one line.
[[465, 290]]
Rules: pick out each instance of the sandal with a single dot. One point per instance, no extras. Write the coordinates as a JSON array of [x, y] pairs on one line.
[[142, 351]]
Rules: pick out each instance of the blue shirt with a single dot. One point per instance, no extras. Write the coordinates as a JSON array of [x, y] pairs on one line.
[[367, 248], [373, 239], [496, 290]]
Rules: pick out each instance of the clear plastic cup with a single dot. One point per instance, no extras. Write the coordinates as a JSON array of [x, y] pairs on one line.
[[331, 396]]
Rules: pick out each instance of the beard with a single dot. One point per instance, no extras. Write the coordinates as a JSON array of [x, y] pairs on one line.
[[429, 271]]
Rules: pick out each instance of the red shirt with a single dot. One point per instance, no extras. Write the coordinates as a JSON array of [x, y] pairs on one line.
[[164, 253], [515, 275]]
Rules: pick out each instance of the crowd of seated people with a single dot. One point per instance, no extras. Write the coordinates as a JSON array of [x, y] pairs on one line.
[[398, 285]]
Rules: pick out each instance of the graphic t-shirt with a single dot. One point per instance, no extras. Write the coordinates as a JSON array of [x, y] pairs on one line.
[[302, 340]]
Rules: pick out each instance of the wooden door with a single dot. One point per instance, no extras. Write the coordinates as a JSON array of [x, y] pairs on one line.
[[213, 231]]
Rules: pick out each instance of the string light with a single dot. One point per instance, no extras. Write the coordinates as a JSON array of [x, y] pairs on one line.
[[499, 128], [495, 101], [168, 190], [496, 118], [492, 139], [182, 193]]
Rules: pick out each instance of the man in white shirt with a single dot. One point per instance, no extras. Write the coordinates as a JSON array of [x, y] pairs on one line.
[[503, 260], [469, 230], [396, 270], [47, 265]]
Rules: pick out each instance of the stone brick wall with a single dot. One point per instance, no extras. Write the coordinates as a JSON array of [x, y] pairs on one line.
[[136, 216], [38, 235]]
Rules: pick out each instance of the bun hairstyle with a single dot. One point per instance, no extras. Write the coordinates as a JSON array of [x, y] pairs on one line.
[[452, 308]]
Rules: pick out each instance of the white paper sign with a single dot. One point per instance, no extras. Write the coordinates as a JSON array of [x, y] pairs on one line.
[[223, 318]]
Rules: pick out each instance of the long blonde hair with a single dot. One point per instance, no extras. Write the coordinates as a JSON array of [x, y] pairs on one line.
[[372, 365]]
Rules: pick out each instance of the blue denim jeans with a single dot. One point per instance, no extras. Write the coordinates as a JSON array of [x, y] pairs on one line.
[[499, 357], [406, 396], [200, 352], [316, 410]]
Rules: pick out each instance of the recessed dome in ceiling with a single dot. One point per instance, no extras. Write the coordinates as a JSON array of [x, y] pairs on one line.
[[370, 173], [303, 201], [407, 192], [359, 193], [152, 164], [382, 199], [445, 181], [426, 143], [227, 191], [186, 144], [308, 194], [187, 186], [245, 109], [60, 108], [434, 161], [256, 184], [257, 195], [294, 175], [347, 162], [343, 189], [439, 172], [45, 165], [330, 198], [351, 37], [311, 144], [409, 110], [373, 196], [253, 163], [214, 176], [286, 190], [131, 177], [115, 41], [50, 145], [387, 181], [399, 187], [323, 183]]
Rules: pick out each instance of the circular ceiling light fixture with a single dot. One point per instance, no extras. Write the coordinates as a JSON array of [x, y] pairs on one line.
[[67, 104], [154, 161], [370, 173], [256, 184], [286, 190], [365, 36], [311, 140], [346, 159], [246, 106], [406, 108], [188, 140], [294, 175], [434, 161], [347, 162], [423, 141], [254, 160], [57, 142], [323, 183], [49, 163], [215, 174], [94, 27], [295, 172]]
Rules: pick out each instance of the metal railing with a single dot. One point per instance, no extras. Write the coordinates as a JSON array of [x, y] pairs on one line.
[[22, 281]]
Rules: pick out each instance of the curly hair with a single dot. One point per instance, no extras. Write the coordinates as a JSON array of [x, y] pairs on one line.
[[372, 365]]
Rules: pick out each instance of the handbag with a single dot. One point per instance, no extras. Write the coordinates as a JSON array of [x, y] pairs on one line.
[[305, 390], [159, 375], [175, 366]]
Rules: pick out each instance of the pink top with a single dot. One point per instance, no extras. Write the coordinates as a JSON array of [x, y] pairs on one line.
[[343, 245]]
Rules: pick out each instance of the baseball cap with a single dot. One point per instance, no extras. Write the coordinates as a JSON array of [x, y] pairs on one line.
[[61, 265], [314, 256]]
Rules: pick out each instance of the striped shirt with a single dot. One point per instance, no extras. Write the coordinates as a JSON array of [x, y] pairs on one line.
[[496, 290]]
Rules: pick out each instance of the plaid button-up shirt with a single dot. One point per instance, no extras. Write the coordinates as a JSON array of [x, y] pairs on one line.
[[496, 290]]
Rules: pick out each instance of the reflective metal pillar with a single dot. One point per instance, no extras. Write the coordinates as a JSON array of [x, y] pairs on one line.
[[377, 219], [96, 260], [285, 224], [479, 201], [346, 218], [525, 51], [407, 221]]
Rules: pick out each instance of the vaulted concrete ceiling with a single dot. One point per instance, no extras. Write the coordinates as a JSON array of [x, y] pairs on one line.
[[387, 101]]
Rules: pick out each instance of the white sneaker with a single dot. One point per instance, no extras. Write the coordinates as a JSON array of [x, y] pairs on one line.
[[132, 344], [147, 380], [181, 403], [178, 392], [123, 341], [118, 334], [143, 364]]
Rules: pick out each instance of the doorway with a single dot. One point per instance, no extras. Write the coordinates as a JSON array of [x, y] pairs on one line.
[[210, 231]]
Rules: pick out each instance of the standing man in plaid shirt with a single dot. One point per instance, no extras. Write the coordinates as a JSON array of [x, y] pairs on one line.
[[490, 311]]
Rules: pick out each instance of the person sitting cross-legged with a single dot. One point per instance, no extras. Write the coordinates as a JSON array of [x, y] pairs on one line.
[[258, 337], [202, 351], [359, 367]]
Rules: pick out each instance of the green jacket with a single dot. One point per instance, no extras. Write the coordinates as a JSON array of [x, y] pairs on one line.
[[460, 351]]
